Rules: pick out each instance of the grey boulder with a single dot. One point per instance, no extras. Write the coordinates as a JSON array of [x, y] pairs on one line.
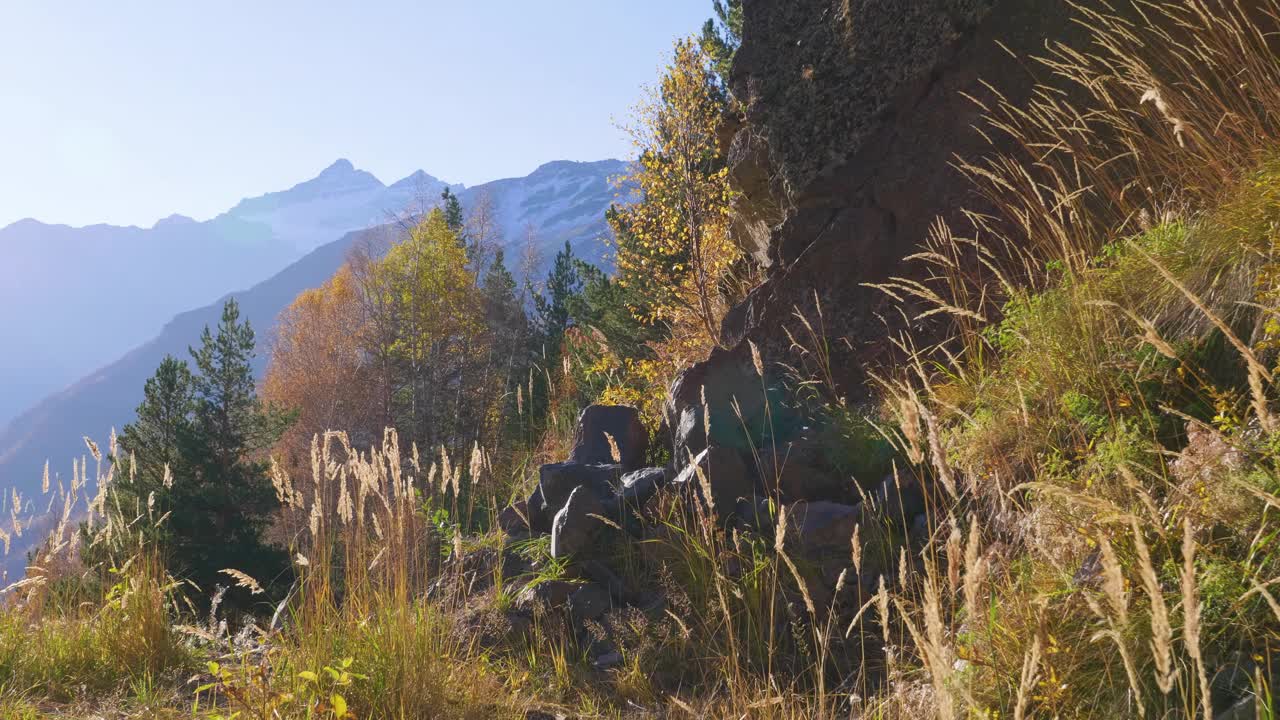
[[725, 477], [620, 422], [641, 485], [557, 480], [576, 526]]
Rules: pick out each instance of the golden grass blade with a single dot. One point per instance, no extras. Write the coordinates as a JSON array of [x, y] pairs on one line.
[[243, 580]]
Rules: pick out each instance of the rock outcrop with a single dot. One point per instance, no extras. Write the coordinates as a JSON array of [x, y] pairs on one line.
[[854, 113]]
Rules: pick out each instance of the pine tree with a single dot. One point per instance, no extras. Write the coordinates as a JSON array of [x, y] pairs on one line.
[[508, 328], [152, 446], [563, 283], [552, 320], [721, 37], [609, 307], [453, 217], [504, 316], [224, 500]]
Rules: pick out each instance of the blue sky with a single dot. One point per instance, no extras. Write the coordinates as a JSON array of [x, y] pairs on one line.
[[127, 111]]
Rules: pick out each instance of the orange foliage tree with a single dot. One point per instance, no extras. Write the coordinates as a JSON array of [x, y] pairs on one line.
[[318, 367]]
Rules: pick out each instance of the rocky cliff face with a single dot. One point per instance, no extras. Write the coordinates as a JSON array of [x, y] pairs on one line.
[[855, 111]]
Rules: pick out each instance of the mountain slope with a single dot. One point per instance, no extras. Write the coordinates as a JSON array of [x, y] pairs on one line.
[[103, 289], [559, 202]]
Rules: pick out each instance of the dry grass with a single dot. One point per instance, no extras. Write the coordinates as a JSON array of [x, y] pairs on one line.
[[1113, 305]]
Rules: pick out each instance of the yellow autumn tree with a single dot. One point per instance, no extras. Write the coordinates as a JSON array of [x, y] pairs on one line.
[[433, 306], [672, 245]]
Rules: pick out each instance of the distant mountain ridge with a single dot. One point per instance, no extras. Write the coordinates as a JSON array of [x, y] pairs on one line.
[[559, 202], [73, 298], [341, 195]]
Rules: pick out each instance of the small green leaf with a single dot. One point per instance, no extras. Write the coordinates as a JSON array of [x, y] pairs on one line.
[[309, 676], [339, 705]]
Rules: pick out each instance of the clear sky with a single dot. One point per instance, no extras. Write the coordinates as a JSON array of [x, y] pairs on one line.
[[127, 111]]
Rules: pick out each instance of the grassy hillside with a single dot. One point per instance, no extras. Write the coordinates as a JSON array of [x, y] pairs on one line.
[[1079, 517]]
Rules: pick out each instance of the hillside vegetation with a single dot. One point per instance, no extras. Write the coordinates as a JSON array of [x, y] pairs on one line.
[[1056, 497]]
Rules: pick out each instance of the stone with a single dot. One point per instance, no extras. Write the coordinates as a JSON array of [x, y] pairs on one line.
[[1089, 574], [726, 475], [651, 602], [845, 156], [608, 660], [574, 530], [821, 533], [688, 436], [817, 464], [744, 410], [1244, 709], [801, 481], [1231, 686], [639, 486], [514, 519], [591, 447], [541, 715], [598, 643], [491, 628], [899, 499], [1206, 457], [558, 480], [548, 594], [589, 602], [821, 525], [758, 210], [856, 590], [538, 514], [600, 573], [919, 532], [475, 571]]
